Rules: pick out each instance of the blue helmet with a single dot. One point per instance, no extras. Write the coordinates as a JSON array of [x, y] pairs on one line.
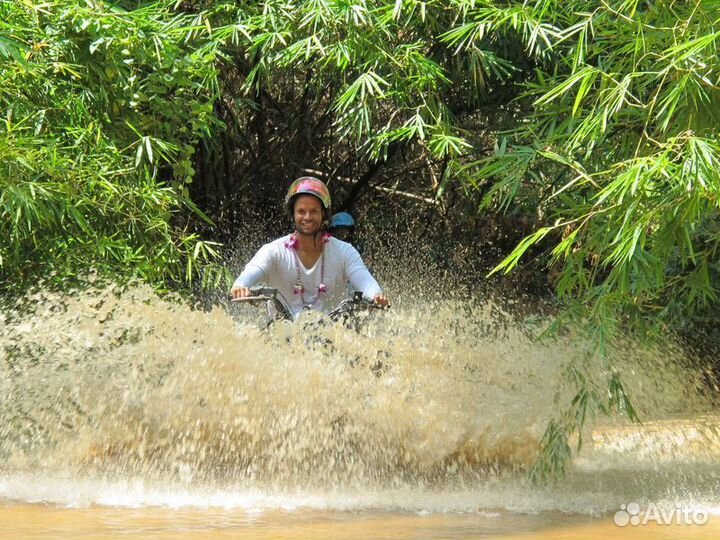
[[342, 219]]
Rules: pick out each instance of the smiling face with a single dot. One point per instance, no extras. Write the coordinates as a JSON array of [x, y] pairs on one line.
[[308, 214]]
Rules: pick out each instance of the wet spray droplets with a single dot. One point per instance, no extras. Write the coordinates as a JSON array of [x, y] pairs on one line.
[[438, 397]]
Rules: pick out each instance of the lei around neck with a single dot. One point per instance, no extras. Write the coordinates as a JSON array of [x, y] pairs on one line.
[[298, 288]]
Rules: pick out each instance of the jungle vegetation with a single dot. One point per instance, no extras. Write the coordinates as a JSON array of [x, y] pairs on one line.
[[133, 131]]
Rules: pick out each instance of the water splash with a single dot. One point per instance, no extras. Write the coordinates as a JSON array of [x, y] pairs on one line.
[[126, 396]]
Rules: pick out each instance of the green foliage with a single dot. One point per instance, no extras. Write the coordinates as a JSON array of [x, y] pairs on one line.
[[102, 108], [619, 150], [379, 72], [623, 130], [595, 393]]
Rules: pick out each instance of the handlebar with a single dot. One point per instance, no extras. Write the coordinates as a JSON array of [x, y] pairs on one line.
[[257, 294], [269, 294], [352, 305], [346, 307]]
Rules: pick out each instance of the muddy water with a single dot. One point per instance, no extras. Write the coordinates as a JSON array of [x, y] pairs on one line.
[[33, 522], [126, 415]]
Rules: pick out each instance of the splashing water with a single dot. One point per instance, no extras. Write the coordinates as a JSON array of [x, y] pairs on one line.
[[116, 396]]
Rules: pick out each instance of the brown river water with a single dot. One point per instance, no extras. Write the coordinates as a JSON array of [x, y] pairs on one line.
[[124, 415]]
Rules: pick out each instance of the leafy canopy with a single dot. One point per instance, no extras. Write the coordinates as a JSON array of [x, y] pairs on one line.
[[102, 109]]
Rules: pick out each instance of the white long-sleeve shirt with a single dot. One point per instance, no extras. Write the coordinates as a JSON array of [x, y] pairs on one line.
[[275, 266]]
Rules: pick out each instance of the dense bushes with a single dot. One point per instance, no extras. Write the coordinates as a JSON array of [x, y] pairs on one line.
[[102, 110]]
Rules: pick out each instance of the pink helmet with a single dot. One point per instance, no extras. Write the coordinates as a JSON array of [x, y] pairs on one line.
[[308, 185]]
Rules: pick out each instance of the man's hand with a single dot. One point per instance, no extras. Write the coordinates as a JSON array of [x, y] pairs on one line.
[[240, 292], [381, 300]]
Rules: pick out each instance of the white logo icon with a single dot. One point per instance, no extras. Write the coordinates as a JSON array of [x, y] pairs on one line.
[[628, 514]]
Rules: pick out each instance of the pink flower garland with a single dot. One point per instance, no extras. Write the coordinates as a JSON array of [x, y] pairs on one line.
[[293, 242], [298, 288]]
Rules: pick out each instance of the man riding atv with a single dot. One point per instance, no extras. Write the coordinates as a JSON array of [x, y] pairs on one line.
[[309, 268]]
